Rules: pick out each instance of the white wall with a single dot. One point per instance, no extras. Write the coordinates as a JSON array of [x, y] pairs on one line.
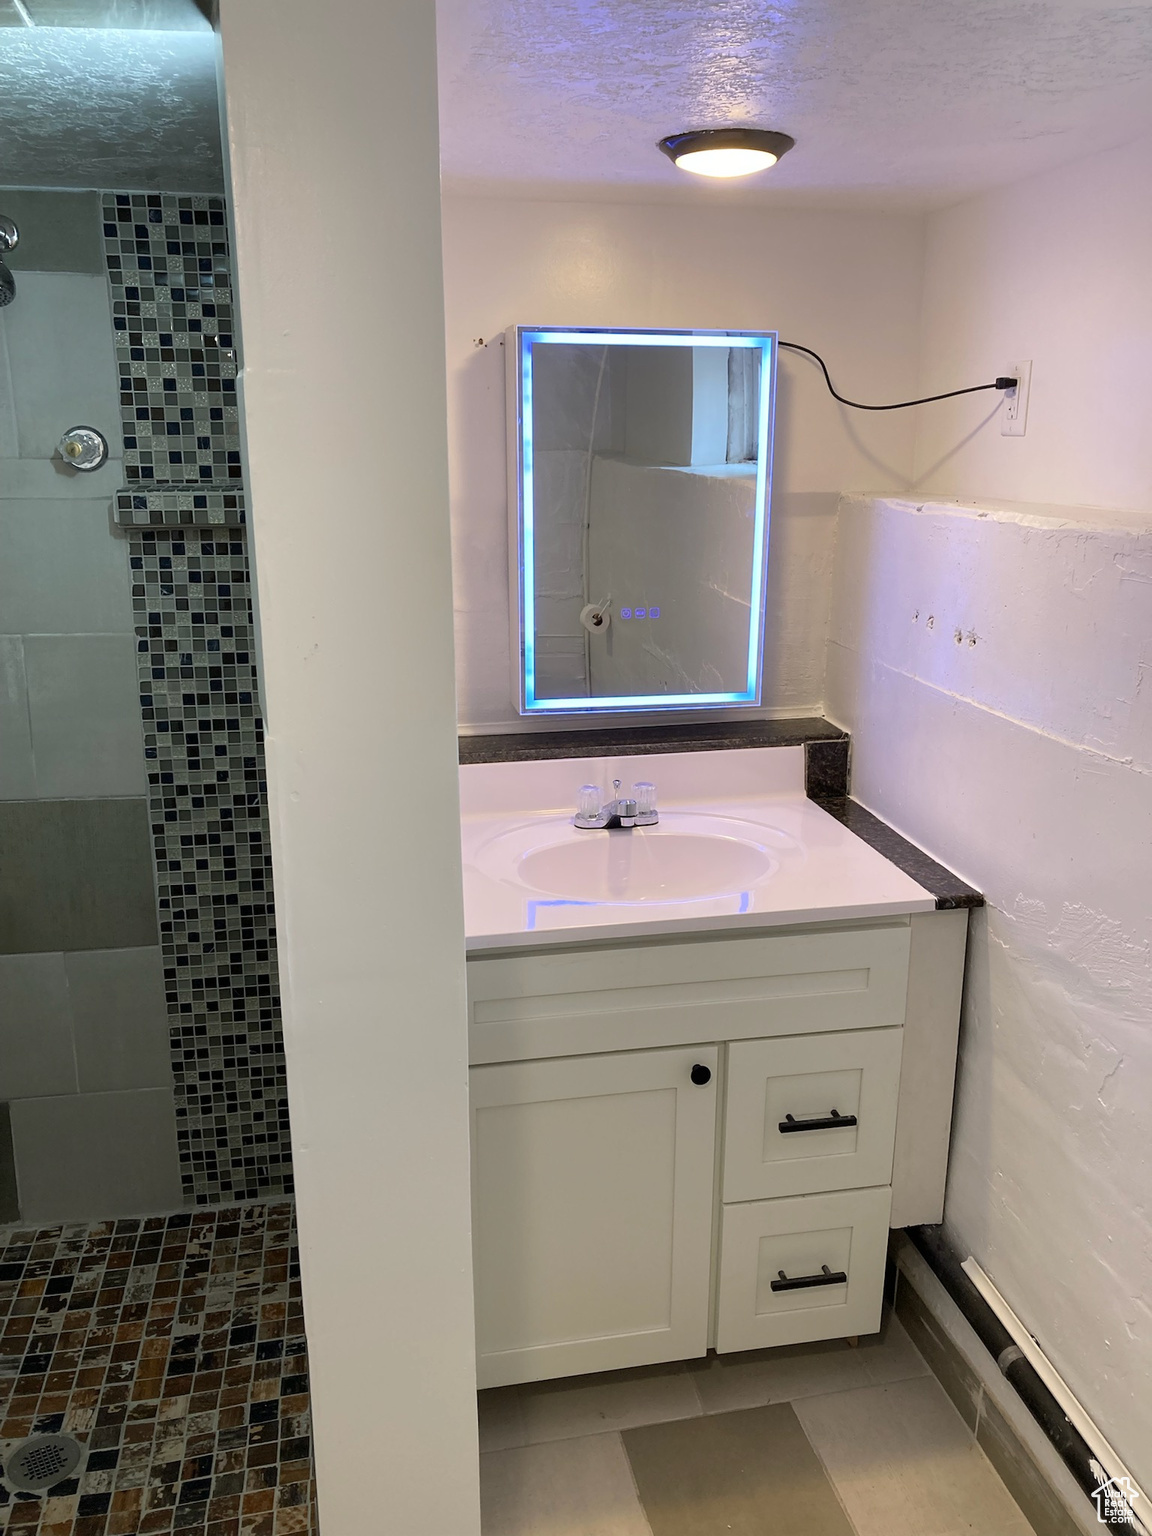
[[1054, 269], [992, 665], [844, 283], [344, 395], [1020, 754], [991, 659]]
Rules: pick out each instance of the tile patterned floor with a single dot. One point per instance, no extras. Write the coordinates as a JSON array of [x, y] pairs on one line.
[[173, 1349], [820, 1439]]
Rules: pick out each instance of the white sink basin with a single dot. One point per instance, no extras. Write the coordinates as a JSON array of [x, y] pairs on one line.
[[686, 857], [645, 865]]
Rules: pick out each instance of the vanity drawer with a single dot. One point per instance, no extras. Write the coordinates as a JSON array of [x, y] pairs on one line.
[[834, 1245], [783, 1093], [628, 997]]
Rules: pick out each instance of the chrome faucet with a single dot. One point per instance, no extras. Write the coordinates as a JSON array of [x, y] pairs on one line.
[[635, 810]]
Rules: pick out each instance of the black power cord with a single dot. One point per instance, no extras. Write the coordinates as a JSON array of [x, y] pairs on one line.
[[900, 405]]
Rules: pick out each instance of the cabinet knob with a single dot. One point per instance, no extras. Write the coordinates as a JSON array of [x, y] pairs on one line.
[[701, 1074]]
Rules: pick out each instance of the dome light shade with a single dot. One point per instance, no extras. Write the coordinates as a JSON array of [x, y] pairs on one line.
[[726, 151]]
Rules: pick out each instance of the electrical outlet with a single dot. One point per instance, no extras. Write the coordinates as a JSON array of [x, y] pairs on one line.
[[1014, 417]]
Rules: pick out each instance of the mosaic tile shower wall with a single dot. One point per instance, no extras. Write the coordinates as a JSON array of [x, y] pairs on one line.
[[170, 278], [169, 267]]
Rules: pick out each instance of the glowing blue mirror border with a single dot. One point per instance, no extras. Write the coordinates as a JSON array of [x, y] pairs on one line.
[[527, 339]]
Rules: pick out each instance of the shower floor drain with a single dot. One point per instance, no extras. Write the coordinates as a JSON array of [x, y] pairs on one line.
[[41, 1462]]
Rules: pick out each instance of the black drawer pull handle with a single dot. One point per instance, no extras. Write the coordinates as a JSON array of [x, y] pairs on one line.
[[830, 1122], [802, 1282]]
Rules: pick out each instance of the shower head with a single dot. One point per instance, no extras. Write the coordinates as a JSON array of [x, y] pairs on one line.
[[9, 239]]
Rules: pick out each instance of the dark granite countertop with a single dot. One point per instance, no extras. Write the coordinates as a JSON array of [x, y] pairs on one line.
[[948, 889], [633, 740]]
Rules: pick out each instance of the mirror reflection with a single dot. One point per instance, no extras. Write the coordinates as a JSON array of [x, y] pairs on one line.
[[642, 515]]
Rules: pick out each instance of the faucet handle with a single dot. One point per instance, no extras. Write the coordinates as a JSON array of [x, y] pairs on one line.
[[588, 801], [644, 794]]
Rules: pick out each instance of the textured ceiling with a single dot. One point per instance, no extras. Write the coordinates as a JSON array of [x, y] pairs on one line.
[[121, 106], [890, 101]]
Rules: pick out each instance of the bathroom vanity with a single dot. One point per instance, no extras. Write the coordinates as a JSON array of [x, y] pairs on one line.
[[712, 1064]]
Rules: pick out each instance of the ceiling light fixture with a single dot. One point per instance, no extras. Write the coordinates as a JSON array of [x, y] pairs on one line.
[[726, 151]]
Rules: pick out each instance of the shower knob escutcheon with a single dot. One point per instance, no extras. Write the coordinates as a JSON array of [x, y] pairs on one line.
[[84, 448], [9, 240]]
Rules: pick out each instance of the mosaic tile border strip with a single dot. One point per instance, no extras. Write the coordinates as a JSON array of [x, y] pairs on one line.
[[170, 286], [207, 802], [173, 1349], [181, 507]]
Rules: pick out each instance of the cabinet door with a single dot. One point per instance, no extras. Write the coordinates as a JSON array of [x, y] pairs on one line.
[[592, 1185], [802, 1269], [784, 1099]]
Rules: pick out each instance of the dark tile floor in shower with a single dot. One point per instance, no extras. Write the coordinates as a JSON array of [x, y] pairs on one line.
[[172, 1348]]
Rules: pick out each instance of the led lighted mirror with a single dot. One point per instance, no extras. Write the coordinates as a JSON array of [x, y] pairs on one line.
[[641, 463]]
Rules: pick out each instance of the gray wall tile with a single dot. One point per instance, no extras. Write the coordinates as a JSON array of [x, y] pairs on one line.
[[84, 705], [62, 359], [8, 444], [17, 773], [36, 1056], [53, 480], [59, 231], [9, 1199], [119, 1019], [75, 874], [63, 570], [96, 1155]]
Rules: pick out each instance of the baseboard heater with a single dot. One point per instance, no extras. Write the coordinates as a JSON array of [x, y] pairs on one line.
[[1091, 1465]]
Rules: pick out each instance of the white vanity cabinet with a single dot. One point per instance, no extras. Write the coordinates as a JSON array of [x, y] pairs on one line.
[[701, 1142]]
